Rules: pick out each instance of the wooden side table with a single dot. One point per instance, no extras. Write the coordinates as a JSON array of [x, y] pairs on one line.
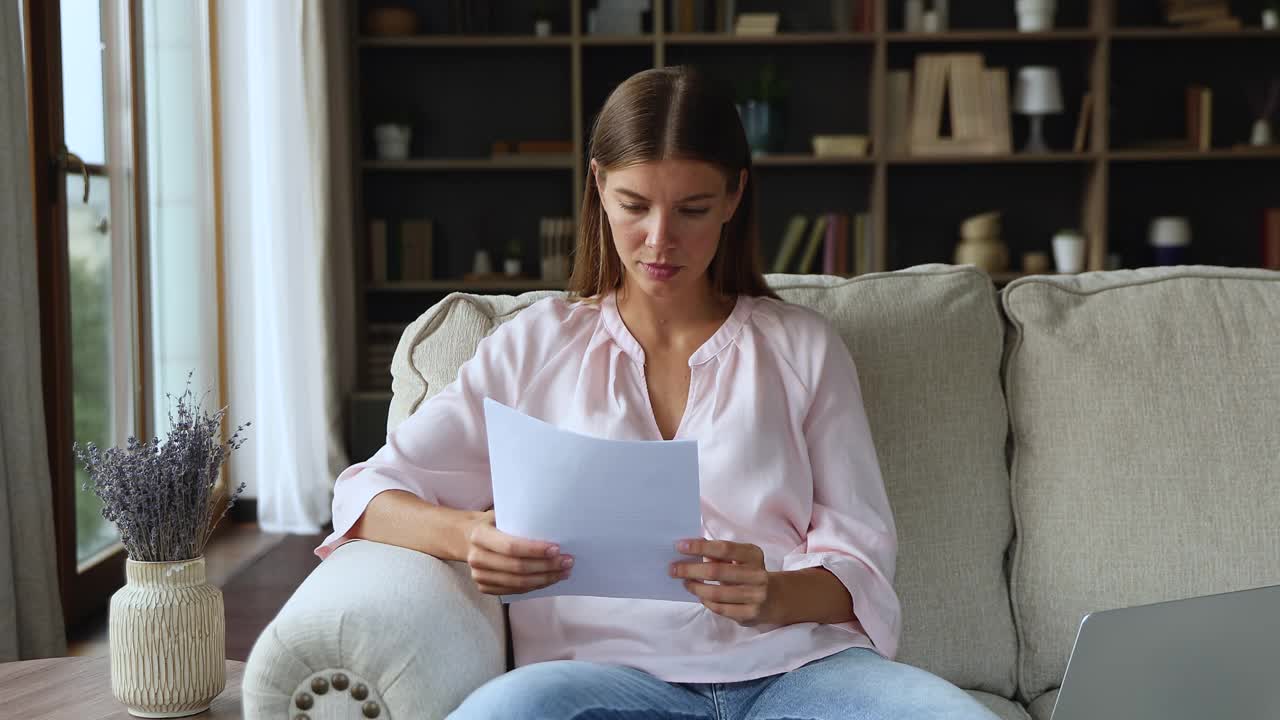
[[79, 688]]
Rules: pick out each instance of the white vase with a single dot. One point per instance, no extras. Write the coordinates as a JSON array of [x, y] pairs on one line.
[[167, 633], [392, 141], [511, 266], [1270, 19], [1260, 133], [1035, 15], [913, 16], [1068, 251]]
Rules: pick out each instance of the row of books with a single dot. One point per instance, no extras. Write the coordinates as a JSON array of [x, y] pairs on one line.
[[692, 16], [833, 243], [1201, 14], [401, 252], [380, 347]]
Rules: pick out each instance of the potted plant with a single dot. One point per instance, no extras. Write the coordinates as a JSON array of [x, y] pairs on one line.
[[514, 258], [1263, 104], [542, 19], [166, 627], [761, 103], [393, 133]]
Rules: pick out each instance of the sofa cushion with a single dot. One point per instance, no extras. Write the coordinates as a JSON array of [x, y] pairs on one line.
[[927, 345], [1144, 407], [1042, 707], [927, 342]]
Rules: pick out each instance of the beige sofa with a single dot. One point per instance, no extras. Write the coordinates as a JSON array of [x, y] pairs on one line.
[[1067, 444]]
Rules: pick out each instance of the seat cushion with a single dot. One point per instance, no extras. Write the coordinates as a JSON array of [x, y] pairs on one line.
[[1042, 707], [1144, 407], [927, 342], [1004, 709]]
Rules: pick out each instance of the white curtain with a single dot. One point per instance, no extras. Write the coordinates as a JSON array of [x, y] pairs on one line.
[[30, 611], [286, 226]]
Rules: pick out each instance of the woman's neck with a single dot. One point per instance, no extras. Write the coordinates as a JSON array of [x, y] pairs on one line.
[[672, 322]]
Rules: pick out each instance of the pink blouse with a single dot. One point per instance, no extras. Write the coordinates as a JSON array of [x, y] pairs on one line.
[[785, 461]]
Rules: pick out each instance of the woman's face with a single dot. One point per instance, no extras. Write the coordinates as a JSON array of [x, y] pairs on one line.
[[666, 217]]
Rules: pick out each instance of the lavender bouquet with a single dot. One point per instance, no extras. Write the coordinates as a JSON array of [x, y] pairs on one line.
[[162, 496]]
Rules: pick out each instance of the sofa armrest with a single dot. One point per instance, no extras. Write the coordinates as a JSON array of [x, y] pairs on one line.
[[376, 623]]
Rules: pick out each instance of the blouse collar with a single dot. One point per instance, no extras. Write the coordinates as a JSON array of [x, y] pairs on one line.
[[718, 341]]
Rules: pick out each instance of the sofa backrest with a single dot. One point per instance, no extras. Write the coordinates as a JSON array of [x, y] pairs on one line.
[[927, 342], [1145, 419]]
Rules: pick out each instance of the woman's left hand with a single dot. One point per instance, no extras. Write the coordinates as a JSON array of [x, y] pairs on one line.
[[747, 592]]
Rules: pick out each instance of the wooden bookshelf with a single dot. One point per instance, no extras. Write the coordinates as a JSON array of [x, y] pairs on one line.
[[1172, 155], [991, 36], [475, 88], [1002, 158], [782, 38], [465, 41], [498, 162], [462, 285], [1161, 33]]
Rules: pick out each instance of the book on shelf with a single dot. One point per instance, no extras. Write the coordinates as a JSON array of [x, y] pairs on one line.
[[862, 249], [838, 235], [1199, 117], [1082, 124], [1200, 14], [832, 243], [839, 145], [898, 111], [1271, 238], [976, 98], [996, 109], [756, 24], [817, 234], [853, 16], [791, 240], [406, 256]]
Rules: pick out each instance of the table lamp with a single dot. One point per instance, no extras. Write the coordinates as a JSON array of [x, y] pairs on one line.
[[1037, 94]]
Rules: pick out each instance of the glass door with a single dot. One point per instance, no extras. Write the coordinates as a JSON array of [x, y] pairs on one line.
[[82, 80]]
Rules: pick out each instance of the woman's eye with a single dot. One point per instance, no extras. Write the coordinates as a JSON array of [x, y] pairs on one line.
[[695, 211], [631, 208]]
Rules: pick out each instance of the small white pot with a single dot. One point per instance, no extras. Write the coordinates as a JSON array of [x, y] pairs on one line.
[[167, 634], [1068, 252], [511, 266], [1270, 19], [392, 141], [1035, 15], [1261, 133]]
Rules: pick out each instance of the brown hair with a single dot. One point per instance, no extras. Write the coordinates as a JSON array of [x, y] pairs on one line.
[[669, 113]]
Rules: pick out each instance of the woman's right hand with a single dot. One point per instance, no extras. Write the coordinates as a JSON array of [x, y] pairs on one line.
[[502, 564]]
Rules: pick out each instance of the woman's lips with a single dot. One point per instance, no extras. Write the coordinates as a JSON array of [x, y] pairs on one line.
[[659, 271]]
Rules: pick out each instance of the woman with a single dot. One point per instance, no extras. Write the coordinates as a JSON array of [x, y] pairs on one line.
[[670, 331]]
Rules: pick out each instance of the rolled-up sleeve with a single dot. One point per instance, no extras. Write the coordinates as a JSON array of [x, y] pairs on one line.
[[851, 532], [440, 452]]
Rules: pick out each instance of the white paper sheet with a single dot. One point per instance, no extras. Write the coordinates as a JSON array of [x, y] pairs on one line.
[[617, 506]]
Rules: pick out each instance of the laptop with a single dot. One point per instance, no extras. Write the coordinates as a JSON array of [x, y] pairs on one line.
[[1215, 656]]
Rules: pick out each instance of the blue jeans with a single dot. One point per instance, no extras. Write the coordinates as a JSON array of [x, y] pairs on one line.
[[855, 683]]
